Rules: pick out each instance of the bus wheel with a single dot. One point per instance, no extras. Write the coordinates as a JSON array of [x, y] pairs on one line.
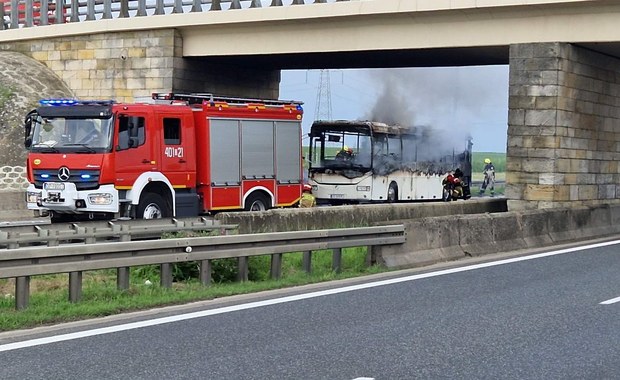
[[392, 195], [256, 202], [152, 206]]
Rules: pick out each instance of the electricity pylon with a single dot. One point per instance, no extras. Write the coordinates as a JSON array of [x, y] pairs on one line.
[[323, 109]]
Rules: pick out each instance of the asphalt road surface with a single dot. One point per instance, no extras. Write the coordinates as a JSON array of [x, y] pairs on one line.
[[553, 315]]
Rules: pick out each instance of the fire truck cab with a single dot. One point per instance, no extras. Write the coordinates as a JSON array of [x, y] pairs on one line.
[[177, 155]]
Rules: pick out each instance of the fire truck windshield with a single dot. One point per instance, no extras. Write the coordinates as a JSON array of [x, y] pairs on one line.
[[83, 135]]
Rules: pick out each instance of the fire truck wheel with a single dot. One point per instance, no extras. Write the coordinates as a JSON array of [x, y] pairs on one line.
[[152, 206], [392, 195], [256, 202]]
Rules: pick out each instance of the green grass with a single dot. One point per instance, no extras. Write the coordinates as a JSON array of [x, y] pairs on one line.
[[49, 302]]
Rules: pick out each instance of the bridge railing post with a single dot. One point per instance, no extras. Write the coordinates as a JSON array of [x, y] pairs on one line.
[[124, 12], [235, 4], [216, 5], [43, 20], [14, 14], [59, 11], [141, 8], [276, 3], [159, 7], [28, 13], [3, 25]]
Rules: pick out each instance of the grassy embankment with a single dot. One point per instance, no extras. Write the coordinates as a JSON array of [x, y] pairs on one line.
[[49, 295]]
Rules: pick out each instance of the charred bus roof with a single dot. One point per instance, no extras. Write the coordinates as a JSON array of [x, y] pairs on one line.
[[358, 126]]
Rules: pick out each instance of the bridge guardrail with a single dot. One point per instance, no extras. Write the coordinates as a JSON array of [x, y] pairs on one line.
[[22, 263], [28, 13]]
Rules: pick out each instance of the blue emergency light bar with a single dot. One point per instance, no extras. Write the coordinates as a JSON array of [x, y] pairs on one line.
[[74, 102]]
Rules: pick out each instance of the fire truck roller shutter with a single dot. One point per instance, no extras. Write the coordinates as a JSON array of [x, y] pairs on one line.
[[224, 151], [257, 159], [288, 144]]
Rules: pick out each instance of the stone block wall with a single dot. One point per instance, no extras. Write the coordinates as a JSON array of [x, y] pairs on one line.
[[128, 66], [563, 127]]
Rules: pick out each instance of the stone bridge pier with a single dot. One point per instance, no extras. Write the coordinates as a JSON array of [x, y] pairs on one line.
[[563, 127]]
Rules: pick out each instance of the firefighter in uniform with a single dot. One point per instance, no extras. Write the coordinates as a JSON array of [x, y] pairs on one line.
[[307, 199], [345, 154], [489, 177]]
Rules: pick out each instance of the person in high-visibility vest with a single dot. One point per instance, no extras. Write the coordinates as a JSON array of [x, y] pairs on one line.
[[307, 199], [489, 177]]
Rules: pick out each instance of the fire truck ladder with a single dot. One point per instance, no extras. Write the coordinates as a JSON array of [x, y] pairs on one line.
[[201, 98]]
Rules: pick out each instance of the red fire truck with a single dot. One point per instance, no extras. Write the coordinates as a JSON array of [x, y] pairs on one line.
[[175, 155]]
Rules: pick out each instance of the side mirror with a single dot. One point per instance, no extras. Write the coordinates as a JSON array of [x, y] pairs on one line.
[[28, 129]]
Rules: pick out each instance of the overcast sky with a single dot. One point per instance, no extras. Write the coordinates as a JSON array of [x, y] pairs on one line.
[[460, 99]]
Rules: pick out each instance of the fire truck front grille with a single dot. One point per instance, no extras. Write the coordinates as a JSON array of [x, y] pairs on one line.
[[83, 179]]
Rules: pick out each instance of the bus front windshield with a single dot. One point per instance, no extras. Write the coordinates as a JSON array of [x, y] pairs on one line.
[[84, 135], [340, 150]]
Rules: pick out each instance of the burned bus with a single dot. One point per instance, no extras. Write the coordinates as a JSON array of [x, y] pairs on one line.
[[365, 161]]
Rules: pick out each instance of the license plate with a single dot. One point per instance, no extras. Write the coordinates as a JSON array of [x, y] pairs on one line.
[[336, 195], [54, 186]]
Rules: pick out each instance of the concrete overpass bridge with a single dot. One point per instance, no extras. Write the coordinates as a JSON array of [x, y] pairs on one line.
[[564, 115]]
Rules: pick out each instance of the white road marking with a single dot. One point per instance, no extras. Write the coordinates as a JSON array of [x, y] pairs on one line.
[[276, 301], [364, 378], [609, 302]]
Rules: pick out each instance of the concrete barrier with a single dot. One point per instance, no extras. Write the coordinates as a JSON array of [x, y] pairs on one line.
[[279, 220], [446, 238]]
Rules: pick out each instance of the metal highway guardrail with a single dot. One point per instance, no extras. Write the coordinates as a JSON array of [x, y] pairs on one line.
[[22, 263], [30, 13], [12, 237]]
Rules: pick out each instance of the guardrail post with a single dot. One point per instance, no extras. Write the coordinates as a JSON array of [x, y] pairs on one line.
[[122, 278], [11, 236], [22, 292], [337, 260], [122, 274], [165, 275], [371, 256], [276, 266], [75, 286], [205, 272], [306, 261], [242, 268]]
